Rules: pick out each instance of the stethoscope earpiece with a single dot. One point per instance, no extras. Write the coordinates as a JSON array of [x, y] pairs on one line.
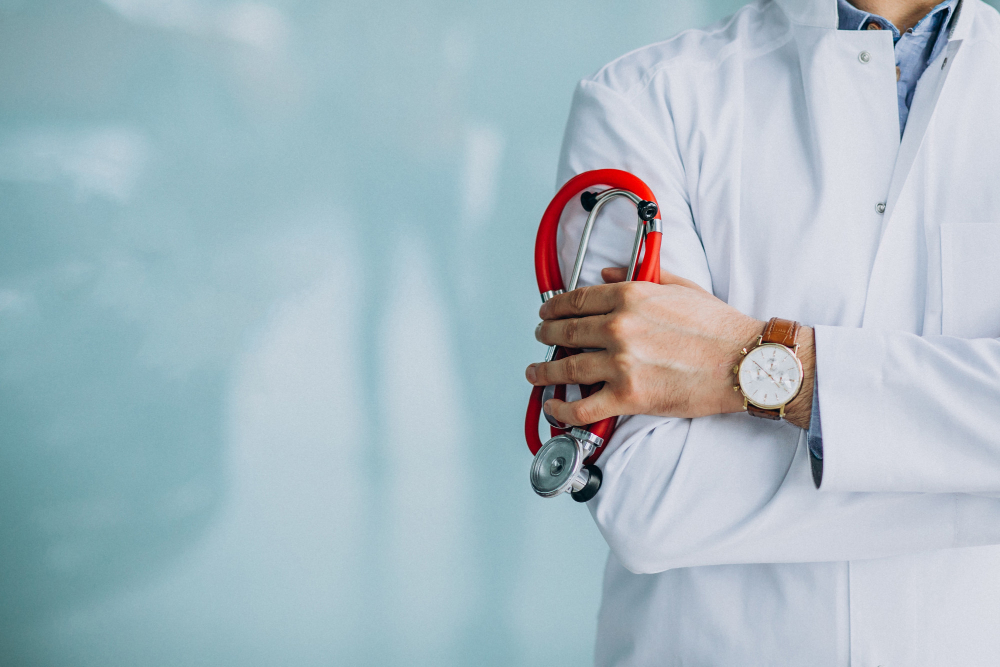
[[647, 210]]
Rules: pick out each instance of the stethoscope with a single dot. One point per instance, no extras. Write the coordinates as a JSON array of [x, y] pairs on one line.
[[566, 461]]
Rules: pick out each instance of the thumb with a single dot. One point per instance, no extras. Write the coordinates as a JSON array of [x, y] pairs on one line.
[[589, 410], [667, 278], [613, 274], [616, 274]]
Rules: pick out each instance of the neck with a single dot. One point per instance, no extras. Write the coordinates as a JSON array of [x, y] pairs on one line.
[[904, 14]]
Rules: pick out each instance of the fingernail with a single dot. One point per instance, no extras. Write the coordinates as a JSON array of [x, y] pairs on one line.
[[546, 408], [538, 332], [531, 374]]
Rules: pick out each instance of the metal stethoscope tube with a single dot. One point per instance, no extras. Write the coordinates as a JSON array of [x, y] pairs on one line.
[[566, 461]]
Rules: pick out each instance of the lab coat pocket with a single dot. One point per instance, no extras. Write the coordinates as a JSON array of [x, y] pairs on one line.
[[970, 280]]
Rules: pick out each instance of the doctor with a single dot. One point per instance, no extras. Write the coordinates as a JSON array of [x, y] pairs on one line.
[[836, 167]]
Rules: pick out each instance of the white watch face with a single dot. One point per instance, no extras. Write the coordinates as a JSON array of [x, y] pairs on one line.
[[770, 375]]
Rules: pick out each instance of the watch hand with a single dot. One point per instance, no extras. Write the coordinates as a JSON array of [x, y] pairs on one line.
[[767, 374]]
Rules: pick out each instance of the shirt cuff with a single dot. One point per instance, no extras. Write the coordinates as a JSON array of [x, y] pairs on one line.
[[815, 438]]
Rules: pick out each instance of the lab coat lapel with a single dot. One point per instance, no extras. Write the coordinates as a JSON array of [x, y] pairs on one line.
[[901, 261], [924, 102], [922, 108]]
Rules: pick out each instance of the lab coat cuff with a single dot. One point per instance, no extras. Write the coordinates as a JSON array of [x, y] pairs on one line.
[[857, 452]]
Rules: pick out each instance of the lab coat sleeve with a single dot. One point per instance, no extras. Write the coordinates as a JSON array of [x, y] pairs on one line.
[[729, 488], [908, 413]]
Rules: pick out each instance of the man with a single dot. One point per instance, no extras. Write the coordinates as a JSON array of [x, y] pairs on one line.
[[830, 165]]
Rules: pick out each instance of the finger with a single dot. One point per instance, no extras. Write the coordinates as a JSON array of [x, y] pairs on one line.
[[586, 368], [616, 274], [588, 410], [613, 274], [578, 332], [593, 300], [667, 278]]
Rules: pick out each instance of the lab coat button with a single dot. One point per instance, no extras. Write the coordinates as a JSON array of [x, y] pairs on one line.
[[880, 208], [864, 56]]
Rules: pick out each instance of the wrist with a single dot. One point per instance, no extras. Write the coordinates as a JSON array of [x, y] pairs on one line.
[[799, 409]]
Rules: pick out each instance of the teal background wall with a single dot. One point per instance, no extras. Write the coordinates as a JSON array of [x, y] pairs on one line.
[[266, 297]]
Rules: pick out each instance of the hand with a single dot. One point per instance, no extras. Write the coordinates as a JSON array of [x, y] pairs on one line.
[[665, 349]]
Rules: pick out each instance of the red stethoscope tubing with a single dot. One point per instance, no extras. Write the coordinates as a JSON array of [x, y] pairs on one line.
[[550, 278]]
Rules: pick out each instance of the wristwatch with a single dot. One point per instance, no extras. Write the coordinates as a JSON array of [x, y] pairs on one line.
[[770, 374]]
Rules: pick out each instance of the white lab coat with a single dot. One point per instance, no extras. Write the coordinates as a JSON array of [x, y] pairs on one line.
[[769, 142]]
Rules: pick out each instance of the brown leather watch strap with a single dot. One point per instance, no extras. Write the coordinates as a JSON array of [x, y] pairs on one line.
[[782, 332], [763, 413]]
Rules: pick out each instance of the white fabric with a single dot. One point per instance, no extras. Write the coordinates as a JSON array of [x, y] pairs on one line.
[[768, 143]]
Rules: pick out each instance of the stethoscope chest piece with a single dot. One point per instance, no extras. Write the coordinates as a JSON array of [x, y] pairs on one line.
[[559, 467]]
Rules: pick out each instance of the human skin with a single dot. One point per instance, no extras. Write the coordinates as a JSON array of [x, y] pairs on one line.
[[666, 350], [904, 14]]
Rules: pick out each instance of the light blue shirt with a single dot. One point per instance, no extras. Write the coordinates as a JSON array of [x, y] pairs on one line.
[[915, 50]]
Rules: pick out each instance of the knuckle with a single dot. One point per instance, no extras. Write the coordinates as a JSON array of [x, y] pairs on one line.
[[581, 413], [572, 332], [572, 369], [613, 327], [620, 327], [577, 299], [630, 293]]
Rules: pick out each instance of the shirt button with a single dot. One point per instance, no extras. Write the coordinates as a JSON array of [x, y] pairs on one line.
[[880, 208], [864, 56], [873, 26]]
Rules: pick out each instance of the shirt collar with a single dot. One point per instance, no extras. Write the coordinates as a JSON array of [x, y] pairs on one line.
[[852, 18]]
